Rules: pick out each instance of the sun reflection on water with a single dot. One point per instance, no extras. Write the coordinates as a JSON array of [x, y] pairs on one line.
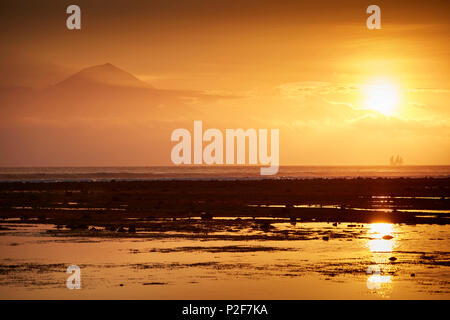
[[381, 242], [380, 284], [382, 229], [381, 237], [375, 281]]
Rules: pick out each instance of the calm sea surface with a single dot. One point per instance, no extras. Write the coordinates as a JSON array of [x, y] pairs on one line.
[[214, 172]]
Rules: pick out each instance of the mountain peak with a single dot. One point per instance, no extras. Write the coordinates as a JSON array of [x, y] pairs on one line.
[[104, 74]]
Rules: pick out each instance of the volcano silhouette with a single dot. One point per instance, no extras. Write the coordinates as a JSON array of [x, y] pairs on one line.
[[102, 75], [99, 92]]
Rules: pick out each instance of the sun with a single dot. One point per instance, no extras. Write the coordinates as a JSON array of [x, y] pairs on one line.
[[381, 96]]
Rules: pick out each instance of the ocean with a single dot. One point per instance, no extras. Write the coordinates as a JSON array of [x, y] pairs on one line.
[[54, 174]]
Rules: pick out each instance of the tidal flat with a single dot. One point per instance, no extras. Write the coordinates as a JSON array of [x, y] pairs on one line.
[[385, 238]]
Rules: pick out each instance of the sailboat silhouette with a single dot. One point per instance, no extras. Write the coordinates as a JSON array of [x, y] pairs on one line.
[[396, 160]]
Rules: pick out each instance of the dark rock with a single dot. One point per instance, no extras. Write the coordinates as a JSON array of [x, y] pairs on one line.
[[77, 226], [111, 228], [392, 258], [206, 216], [266, 227]]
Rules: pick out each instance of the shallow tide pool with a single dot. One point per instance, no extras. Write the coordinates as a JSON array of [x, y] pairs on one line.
[[376, 261]]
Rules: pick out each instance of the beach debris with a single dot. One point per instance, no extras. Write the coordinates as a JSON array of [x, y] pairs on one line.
[[335, 224], [326, 238], [77, 226], [287, 208], [206, 216], [413, 274], [387, 237], [351, 225], [429, 257], [266, 227], [111, 228], [120, 229], [392, 259]]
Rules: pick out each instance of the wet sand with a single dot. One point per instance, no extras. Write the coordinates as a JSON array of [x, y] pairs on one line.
[[299, 239]]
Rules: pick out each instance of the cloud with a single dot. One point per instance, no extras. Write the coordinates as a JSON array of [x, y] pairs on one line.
[[294, 89], [432, 90], [392, 126]]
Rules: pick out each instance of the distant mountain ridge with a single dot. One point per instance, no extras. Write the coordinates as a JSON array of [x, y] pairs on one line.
[[105, 74], [104, 94]]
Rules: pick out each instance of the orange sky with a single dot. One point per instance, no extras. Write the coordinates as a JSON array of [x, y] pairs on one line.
[[307, 68]]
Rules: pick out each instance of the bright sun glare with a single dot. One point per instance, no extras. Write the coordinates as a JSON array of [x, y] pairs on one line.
[[381, 229], [379, 244], [381, 97]]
